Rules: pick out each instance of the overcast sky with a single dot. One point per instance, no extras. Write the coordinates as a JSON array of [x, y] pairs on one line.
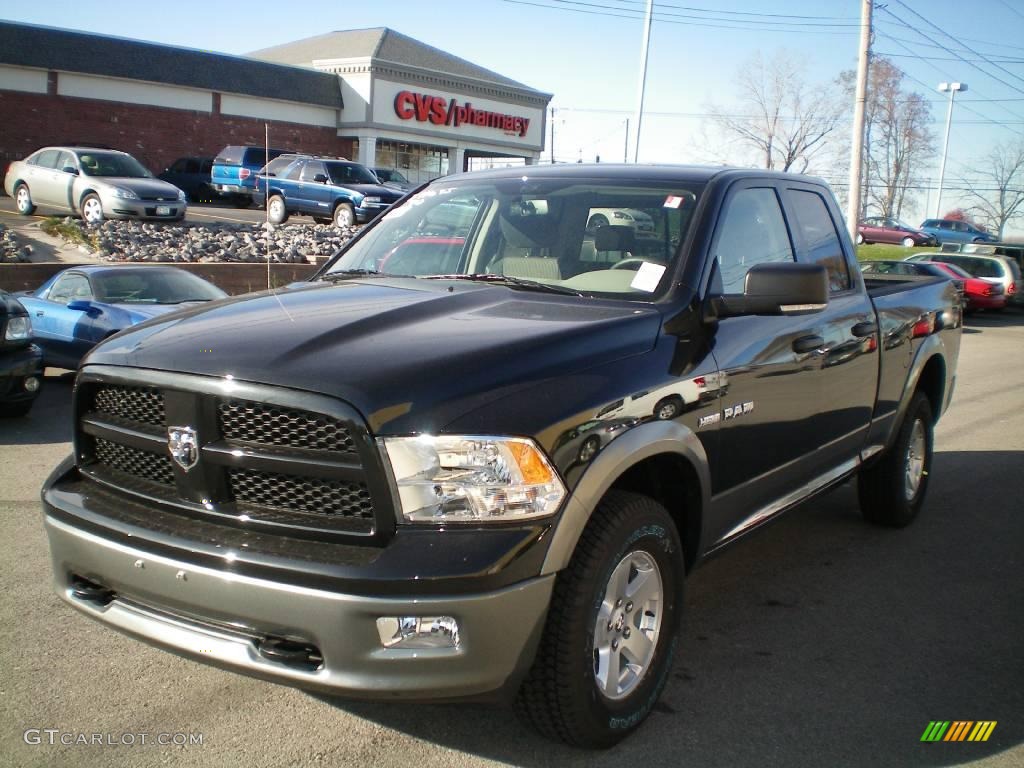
[[587, 54]]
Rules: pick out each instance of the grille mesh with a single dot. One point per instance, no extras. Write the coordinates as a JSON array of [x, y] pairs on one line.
[[132, 461], [139, 404], [251, 422], [305, 494]]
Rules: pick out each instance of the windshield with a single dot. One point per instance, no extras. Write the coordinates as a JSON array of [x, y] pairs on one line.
[[350, 173], [112, 164], [153, 286], [587, 236]]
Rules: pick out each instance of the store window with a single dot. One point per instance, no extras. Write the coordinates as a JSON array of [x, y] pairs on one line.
[[417, 162]]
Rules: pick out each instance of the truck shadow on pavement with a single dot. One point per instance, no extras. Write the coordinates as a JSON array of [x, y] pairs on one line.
[[821, 641]]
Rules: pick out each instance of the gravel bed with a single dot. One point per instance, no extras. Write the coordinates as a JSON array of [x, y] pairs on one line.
[[12, 250], [186, 242]]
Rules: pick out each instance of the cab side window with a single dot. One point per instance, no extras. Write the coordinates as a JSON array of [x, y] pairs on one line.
[[820, 240], [751, 231], [312, 170]]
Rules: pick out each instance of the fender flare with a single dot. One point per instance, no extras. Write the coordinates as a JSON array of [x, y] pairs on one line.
[[653, 438]]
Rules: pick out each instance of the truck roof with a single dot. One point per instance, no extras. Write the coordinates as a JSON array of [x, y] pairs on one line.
[[631, 172]]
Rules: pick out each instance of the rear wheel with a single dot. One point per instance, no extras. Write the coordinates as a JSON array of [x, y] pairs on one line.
[[92, 209], [597, 220], [344, 215], [611, 629], [23, 200], [860, 239], [277, 212], [892, 490]]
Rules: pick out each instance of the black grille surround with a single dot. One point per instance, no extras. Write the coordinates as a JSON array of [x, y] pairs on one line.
[[268, 458]]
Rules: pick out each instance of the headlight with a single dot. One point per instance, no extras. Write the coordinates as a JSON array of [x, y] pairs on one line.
[[181, 196], [18, 329], [123, 193], [622, 215], [471, 479]]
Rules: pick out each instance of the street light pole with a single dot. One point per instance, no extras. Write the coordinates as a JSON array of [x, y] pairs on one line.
[[645, 47], [952, 88]]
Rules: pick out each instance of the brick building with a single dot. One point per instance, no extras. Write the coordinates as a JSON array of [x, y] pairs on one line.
[[373, 95]]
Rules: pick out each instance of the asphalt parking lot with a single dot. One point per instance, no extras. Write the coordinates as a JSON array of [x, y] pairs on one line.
[[818, 641]]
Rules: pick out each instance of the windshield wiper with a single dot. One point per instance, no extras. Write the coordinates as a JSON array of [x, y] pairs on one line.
[[512, 282], [341, 274]]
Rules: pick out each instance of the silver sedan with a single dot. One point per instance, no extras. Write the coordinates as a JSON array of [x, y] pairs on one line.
[[95, 183]]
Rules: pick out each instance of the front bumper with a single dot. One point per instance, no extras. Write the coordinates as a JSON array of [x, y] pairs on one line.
[[370, 211], [15, 367], [119, 208], [223, 619]]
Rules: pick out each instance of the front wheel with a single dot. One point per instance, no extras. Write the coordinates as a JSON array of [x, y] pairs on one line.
[[344, 215], [908, 242], [892, 490], [860, 239], [92, 209], [611, 628], [23, 200], [277, 213]]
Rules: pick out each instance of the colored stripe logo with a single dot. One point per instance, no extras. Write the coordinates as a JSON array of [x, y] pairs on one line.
[[959, 730]]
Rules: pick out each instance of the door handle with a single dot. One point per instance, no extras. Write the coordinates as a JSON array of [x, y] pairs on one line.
[[808, 343], [860, 330], [40, 313]]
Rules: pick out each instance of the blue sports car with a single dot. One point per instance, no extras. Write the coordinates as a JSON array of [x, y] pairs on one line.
[[78, 308]]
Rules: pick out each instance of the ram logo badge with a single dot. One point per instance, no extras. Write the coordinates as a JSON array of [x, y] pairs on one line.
[[742, 409], [181, 441]]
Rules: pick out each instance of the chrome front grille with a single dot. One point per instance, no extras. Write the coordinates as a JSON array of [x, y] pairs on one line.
[[262, 461], [250, 422]]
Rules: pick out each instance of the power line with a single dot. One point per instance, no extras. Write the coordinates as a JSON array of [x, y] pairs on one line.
[[741, 13], [967, 47], [946, 58], [660, 17], [1010, 8]]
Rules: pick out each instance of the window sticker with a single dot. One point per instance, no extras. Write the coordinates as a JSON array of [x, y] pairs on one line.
[[648, 277], [674, 201]]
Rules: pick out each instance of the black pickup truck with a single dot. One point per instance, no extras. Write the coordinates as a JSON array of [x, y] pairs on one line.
[[476, 455]]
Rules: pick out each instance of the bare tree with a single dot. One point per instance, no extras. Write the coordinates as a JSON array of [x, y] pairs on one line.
[[997, 189], [778, 115], [897, 141]]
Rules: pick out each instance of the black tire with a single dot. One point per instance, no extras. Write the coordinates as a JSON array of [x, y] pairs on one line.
[[23, 200], [561, 696], [14, 410], [597, 220], [668, 407], [344, 215], [92, 209], [887, 493], [277, 211]]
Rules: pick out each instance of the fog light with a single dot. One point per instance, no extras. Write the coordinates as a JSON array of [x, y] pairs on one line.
[[31, 384], [418, 631]]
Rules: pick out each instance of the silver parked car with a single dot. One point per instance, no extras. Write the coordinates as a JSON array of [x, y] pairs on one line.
[[96, 183]]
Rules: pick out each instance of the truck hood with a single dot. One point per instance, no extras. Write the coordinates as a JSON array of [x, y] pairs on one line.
[[411, 355]]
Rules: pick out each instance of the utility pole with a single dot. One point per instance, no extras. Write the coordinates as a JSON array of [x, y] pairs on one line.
[[857, 153], [643, 77], [952, 88], [625, 151], [552, 135]]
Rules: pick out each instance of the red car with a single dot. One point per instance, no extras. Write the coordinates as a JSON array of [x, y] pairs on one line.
[[979, 294], [879, 229]]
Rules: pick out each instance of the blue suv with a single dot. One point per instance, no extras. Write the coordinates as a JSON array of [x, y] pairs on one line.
[[328, 189], [950, 231], [234, 171]]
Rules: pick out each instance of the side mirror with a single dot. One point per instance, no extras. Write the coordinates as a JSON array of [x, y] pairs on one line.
[[70, 169], [777, 289], [320, 178], [81, 305]]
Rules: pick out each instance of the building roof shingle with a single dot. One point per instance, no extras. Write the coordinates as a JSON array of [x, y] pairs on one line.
[[382, 44], [66, 50]]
